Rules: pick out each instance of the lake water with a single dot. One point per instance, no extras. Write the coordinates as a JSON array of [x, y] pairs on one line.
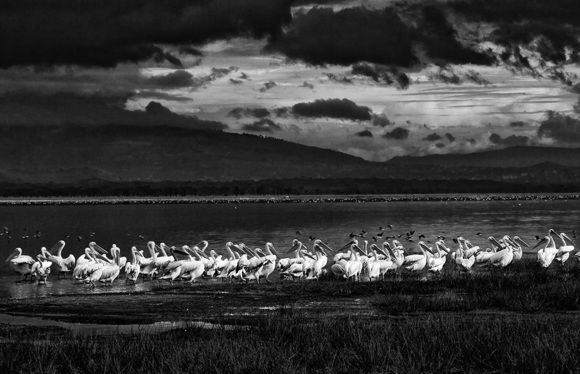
[[257, 223]]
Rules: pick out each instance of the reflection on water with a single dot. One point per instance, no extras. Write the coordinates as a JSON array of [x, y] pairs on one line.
[[106, 329], [256, 224]]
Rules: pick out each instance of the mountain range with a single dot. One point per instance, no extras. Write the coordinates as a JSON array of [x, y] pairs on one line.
[[80, 154]]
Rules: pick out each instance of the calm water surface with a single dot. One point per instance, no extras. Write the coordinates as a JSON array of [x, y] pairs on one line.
[[255, 224]]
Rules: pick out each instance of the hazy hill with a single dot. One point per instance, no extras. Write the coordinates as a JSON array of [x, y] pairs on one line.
[[68, 154], [503, 158]]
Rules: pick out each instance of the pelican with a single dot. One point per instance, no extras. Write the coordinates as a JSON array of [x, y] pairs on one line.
[[547, 254], [109, 271], [437, 261], [133, 268], [416, 262], [501, 258], [41, 269], [321, 259], [269, 264], [517, 243], [565, 249], [63, 265], [21, 264]]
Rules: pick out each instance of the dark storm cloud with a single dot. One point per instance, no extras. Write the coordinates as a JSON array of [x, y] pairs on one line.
[[333, 108], [179, 78], [26, 108], [398, 133], [364, 134], [450, 137], [248, 112], [553, 24], [322, 36], [440, 145], [107, 32], [560, 127], [157, 95], [263, 125], [381, 120], [382, 74], [439, 38], [512, 140], [432, 137], [518, 124], [268, 86]]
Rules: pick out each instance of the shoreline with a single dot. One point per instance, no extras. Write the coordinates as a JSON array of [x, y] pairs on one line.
[[269, 199]]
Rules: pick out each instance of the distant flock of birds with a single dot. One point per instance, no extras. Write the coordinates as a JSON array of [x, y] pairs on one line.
[[355, 261]]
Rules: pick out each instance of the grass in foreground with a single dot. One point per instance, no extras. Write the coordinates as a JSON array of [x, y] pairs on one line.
[[458, 343]]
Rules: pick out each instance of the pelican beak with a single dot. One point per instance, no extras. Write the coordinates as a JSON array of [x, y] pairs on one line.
[[326, 247], [11, 255], [521, 241], [543, 240], [567, 238], [274, 250], [347, 245], [295, 247], [98, 248]]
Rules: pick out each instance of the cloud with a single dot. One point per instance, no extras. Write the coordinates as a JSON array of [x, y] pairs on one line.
[[333, 108], [432, 137], [248, 112], [398, 133], [439, 38], [518, 124], [381, 120], [268, 86], [561, 128], [322, 36], [450, 137], [383, 74], [176, 79], [106, 33], [510, 141], [364, 134], [263, 125]]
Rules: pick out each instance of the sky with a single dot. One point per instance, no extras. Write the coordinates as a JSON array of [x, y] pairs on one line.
[[374, 79]]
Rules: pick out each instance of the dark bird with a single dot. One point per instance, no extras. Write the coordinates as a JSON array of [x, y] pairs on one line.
[[38, 234], [421, 236], [537, 237], [80, 238], [381, 228], [390, 226], [380, 234], [141, 237], [351, 235], [375, 238], [311, 238], [478, 233], [410, 240], [412, 232], [455, 240], [298, 232], [362, 234]]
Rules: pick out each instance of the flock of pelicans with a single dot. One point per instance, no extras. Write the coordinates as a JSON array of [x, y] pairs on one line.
[[352, 261]]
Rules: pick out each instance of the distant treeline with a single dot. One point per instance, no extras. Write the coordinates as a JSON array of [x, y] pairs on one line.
[[342, 186]]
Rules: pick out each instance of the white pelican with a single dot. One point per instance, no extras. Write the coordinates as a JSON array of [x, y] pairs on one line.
[[63, 265], [437, 261], [416, 262], [503, 256], [517, 243], [321, 259], [565, 249], [108, 272], [21, 264], [268, 266], [133, 268], [41, 269], [547, 254]]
